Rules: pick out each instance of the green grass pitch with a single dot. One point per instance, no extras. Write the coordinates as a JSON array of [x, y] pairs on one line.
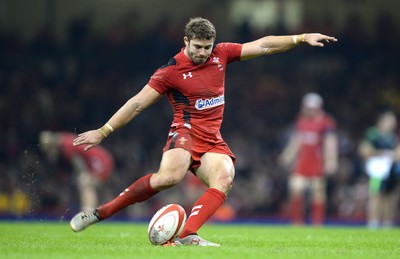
[[129, 240]]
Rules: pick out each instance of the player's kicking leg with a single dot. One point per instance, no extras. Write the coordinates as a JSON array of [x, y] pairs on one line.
[[139, 191], [169, 174], [84, 219]]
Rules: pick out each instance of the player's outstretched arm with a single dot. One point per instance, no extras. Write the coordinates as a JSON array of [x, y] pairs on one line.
[[276, 44], [146, 97]]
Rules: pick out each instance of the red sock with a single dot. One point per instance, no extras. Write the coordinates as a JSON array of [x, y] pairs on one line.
[[297, 210], [318, 213], [202, 210], [139, 191]]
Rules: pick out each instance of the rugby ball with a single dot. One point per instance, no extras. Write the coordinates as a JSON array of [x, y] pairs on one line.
[[166, 224]]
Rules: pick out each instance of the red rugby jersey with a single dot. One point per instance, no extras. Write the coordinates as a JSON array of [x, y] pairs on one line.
[[310, 157], [98, 160], [196, 92]]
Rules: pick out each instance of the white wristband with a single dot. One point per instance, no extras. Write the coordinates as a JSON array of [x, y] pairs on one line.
[[109, 127], [295, 39]]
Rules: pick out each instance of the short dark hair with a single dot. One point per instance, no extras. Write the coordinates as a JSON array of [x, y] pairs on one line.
[[200, 28]]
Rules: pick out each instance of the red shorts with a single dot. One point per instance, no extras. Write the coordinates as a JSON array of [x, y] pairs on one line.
[[196, 145]]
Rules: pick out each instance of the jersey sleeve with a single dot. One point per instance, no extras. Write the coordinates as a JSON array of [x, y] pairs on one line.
[[232, 51], [158, 81]]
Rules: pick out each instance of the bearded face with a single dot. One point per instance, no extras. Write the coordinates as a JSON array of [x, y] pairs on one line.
[[198, 50]]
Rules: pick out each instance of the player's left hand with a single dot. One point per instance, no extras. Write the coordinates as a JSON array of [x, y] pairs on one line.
[[318, 39], [91, 138]]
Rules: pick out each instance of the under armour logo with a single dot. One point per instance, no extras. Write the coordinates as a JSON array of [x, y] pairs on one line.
[[187, 75]]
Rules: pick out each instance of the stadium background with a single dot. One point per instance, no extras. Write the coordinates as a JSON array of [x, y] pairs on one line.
[[68, 65]]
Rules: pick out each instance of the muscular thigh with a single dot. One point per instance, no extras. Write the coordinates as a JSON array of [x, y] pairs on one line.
[[216, 170], [177, 159], [173, 167]]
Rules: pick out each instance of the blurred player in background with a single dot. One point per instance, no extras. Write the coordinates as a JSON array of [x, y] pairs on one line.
[[380, 150], [313, 150], [90, 168], [194, 83]]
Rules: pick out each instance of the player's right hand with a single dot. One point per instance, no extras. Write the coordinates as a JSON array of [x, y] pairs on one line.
[[90, 138]]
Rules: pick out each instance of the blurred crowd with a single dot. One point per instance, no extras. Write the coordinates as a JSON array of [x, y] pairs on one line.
[[78, 83]]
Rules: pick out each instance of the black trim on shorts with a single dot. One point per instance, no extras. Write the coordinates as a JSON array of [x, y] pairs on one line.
[[172, 145]]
